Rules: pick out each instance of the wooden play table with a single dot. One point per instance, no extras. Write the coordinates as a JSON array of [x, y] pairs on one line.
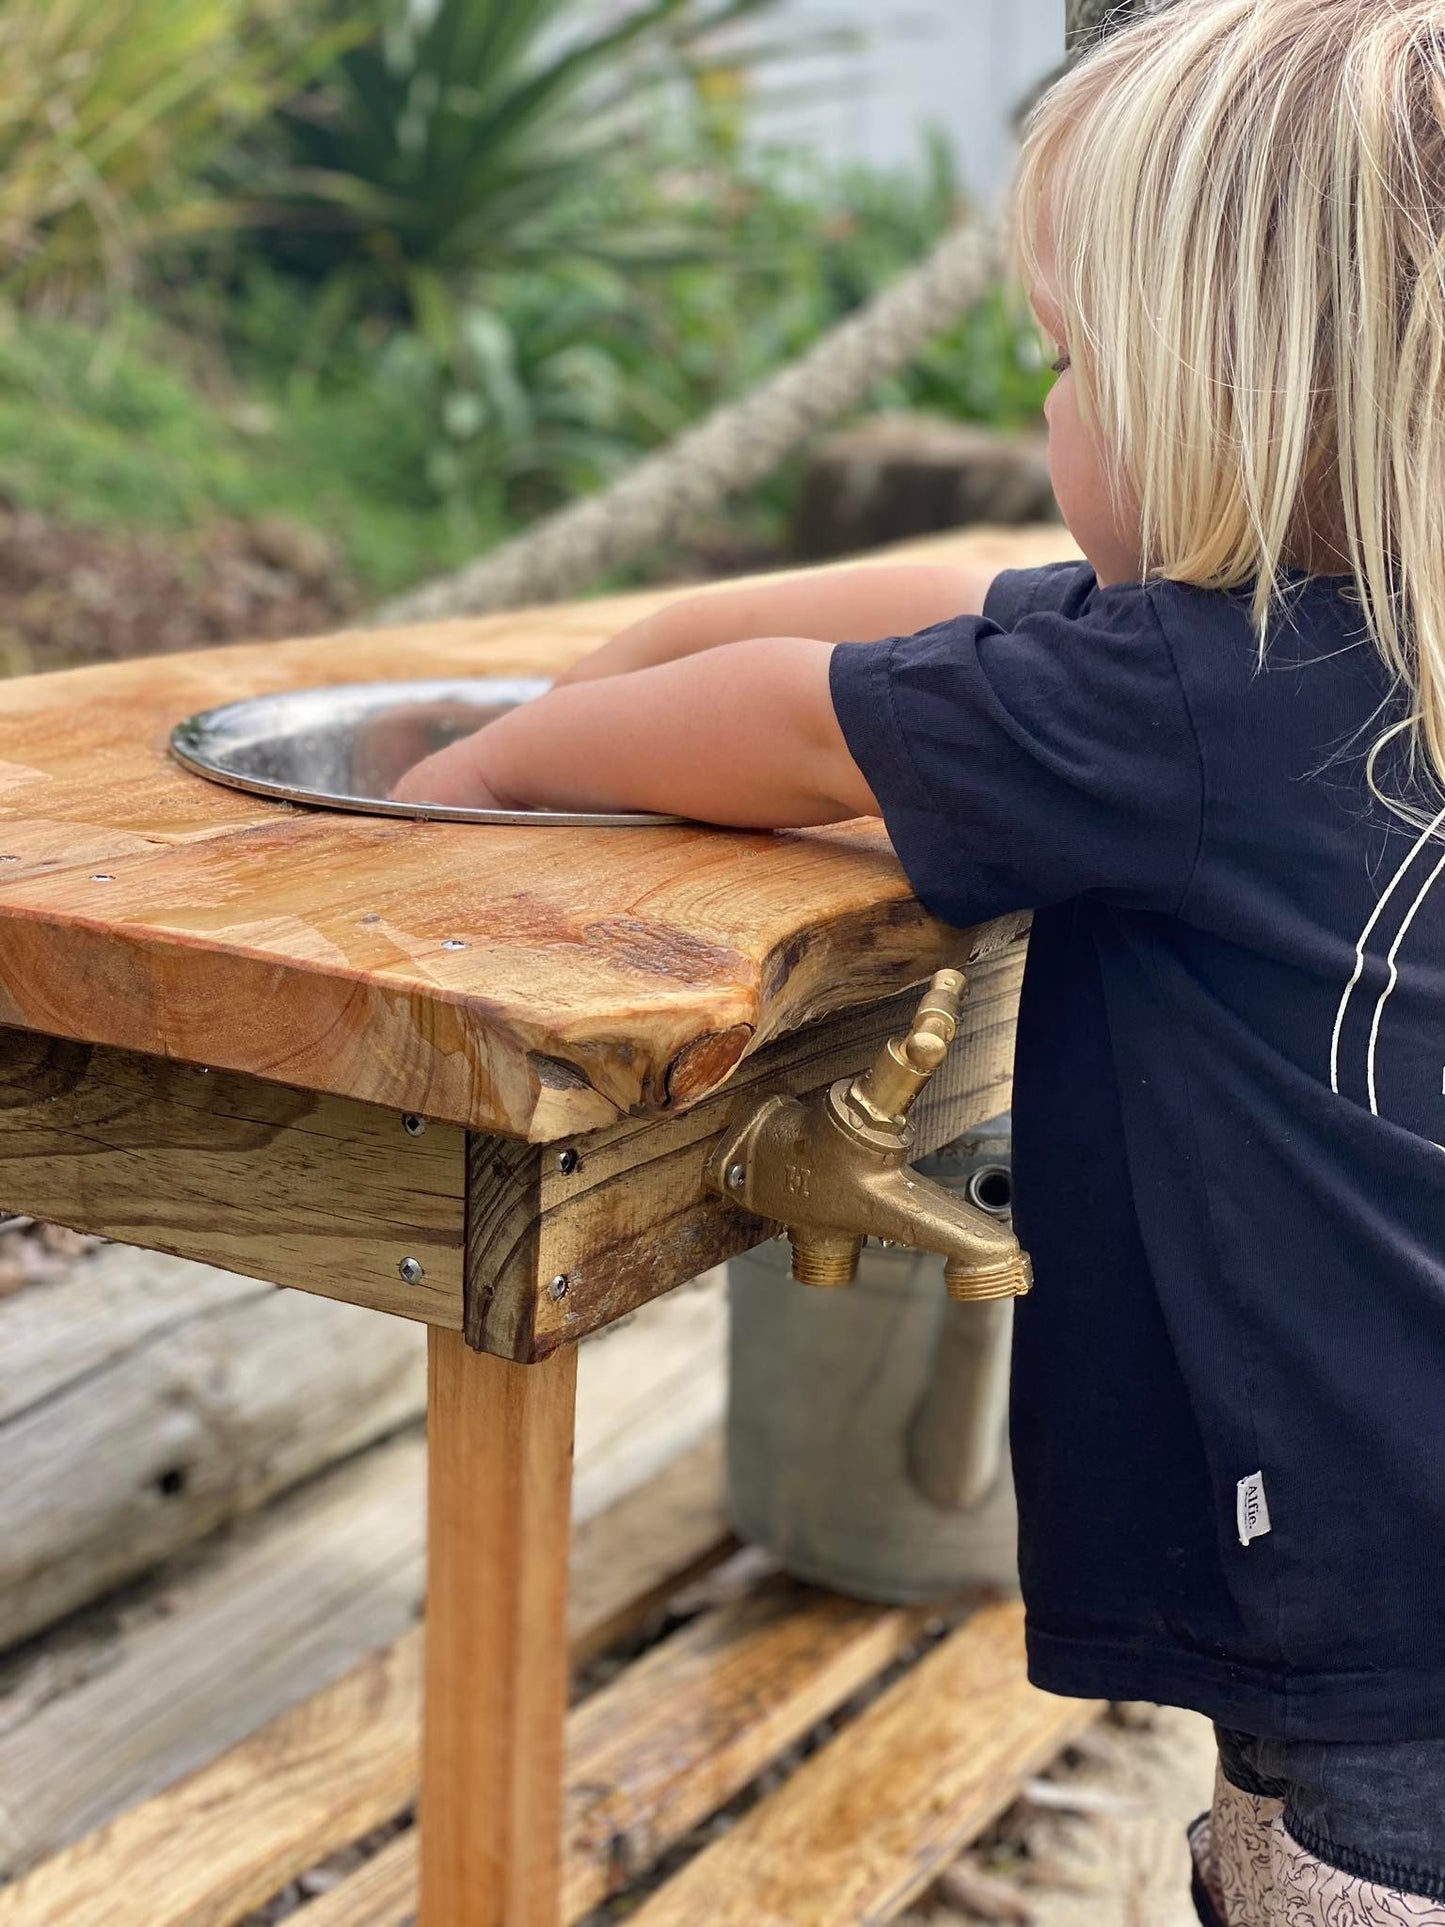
[[463, 1075]]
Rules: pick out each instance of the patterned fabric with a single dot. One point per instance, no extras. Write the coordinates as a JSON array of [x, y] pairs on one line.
[[1251, 1873]]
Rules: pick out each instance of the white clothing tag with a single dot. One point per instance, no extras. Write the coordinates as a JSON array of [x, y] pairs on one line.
[[1252, 1508]]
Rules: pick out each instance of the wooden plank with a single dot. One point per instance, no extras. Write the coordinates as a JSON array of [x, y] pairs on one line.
[[624, 1215], [673, 1738], [217, 1845], [316, 1192], [335, 1572], [695, 1720], [144, 1401], [628, 1560], [649, 1390], [870, 1821], [380, 1894], [599, 973], [499, 1483]]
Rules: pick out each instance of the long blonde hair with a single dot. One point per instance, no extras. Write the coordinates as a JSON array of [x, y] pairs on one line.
[[1244, 202]]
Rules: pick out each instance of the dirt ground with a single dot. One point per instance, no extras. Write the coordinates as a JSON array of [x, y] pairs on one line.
[[71, 596], [1097, 1842]]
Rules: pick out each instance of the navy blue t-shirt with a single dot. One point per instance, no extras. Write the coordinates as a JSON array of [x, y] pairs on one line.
[[1229, 1107]]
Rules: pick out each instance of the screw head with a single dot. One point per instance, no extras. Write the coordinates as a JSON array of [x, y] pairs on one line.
[[737, 1177], [413, 1125], [411, 1271], [453, 943], [568, 1162], [559, 1287]]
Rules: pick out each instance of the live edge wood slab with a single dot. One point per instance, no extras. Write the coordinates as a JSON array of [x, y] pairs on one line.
[[219, 1010]]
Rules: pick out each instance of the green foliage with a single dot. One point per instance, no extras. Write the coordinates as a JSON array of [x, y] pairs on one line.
[[115, 434], [462, 139], [112, 111], [523, 251], [558, 377]]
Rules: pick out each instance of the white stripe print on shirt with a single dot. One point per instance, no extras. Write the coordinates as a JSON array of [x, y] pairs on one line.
[[1394, 1077], [1251, 1508]]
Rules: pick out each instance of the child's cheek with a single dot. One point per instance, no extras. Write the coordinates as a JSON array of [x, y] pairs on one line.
[[1106, 531]]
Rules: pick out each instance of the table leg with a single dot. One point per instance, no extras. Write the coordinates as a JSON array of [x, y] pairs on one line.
[[500, 1448]]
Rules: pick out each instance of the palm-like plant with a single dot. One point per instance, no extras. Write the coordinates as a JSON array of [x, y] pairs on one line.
[[461, 138]]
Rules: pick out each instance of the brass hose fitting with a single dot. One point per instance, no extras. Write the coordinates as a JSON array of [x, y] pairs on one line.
[[833, 1170]]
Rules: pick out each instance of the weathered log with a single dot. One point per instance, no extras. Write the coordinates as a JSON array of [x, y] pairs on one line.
[[900, 475], [146, 1400], [295, 1600]]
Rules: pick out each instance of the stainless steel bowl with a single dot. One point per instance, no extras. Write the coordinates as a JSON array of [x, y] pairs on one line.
[[346, 748]]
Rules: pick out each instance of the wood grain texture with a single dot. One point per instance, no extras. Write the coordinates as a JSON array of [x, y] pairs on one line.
[[499, 1482], [285, 1185], [559, 1246], [672, 1739], [380, 1894], [332, 1573], [215, 1846], [145, 1401], [866, 1824], [604, 973], [696, 1719]]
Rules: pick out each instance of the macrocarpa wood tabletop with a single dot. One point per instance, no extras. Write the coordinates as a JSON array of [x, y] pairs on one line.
[[604, 973]]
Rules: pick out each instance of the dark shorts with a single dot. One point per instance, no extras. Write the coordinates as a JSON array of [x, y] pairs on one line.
[[1316, 1818]]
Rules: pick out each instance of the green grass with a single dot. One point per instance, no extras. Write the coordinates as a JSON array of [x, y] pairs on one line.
[[110, 431], [412, 462]]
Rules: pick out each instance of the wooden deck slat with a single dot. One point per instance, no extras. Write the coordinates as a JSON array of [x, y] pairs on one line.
[[872, 1819], [206, 1851], [674, 1737], [700, 1716], [380, 1894]]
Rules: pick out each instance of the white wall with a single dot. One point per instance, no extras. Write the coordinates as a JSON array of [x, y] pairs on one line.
[[960, 65]]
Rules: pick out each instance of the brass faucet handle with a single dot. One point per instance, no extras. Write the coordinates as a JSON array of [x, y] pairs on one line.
[[938, 1014], [905, 1064]]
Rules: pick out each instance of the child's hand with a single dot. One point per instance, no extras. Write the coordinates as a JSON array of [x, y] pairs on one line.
[[456, 775]]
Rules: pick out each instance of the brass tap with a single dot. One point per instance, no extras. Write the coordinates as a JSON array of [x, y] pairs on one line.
[[833, 1170]]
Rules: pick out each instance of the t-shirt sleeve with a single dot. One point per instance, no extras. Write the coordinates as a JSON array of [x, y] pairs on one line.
[[1039, 752]]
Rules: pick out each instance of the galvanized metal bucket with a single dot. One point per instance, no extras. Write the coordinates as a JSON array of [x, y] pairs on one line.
[[867, 1428]]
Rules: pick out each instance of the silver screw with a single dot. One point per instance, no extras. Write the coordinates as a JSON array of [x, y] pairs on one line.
[[102, 876], [568, 1162], [413, 1125], [453, 943], [559, 1287], [737, 1177], [411, 1271]]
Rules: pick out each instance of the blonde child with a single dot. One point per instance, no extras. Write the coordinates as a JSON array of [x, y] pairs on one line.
[[1212, 762]]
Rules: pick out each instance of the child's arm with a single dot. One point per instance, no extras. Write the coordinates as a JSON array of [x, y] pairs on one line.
[[743, 734], [834, 605]]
